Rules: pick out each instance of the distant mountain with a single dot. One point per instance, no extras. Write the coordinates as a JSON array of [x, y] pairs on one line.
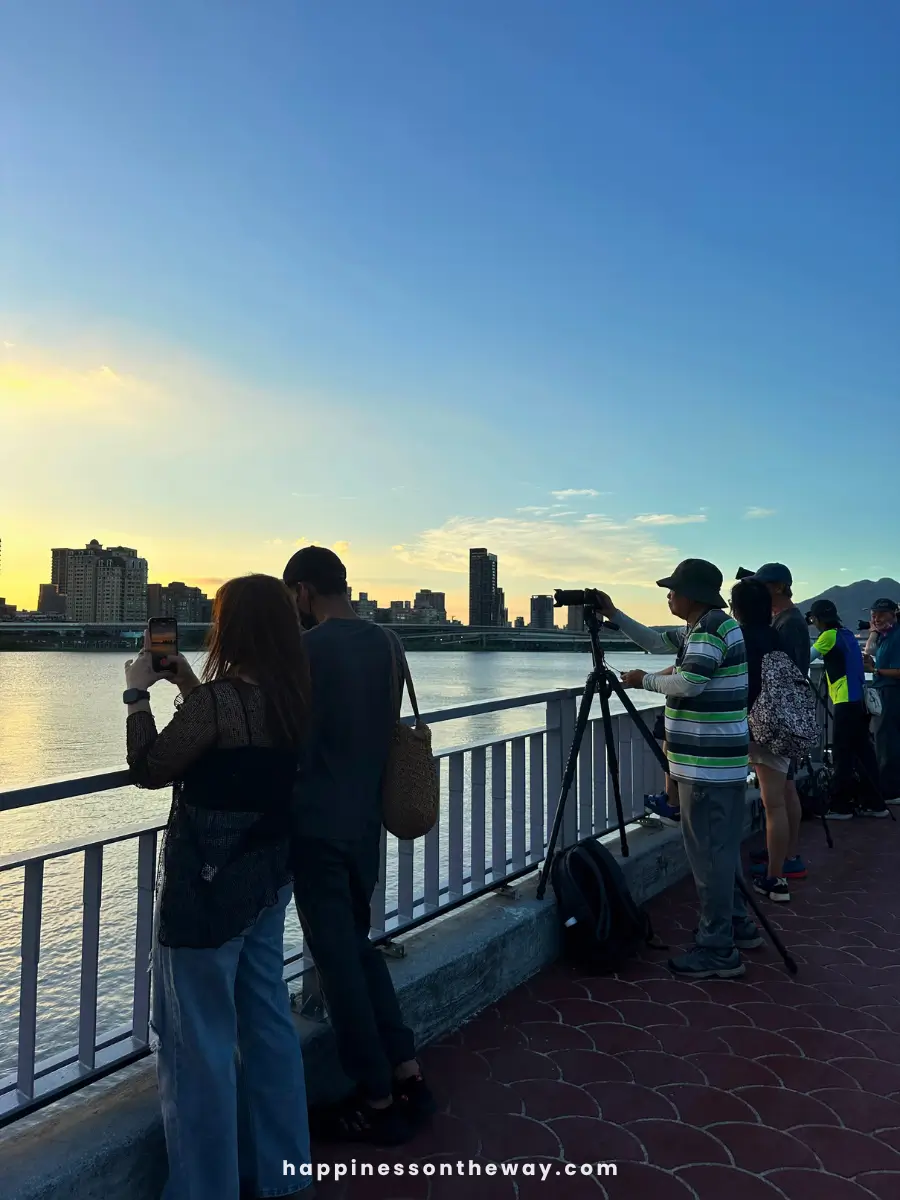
[[854, 600]]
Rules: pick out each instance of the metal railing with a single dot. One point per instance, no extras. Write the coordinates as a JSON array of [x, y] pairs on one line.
[[498, 801]]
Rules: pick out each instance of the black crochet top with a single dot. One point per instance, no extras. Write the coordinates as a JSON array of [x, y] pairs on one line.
[[225, 851]]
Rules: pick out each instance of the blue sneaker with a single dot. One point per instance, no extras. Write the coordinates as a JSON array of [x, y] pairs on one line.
[[700, 963], [659, 806], [794, 868]]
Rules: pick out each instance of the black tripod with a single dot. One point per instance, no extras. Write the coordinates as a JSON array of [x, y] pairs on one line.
[[603, 682]]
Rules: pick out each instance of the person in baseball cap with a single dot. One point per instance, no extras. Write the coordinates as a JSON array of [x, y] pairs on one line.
[[855, 790], [775, 573], [707, 744], [696, 582], [883, 660]]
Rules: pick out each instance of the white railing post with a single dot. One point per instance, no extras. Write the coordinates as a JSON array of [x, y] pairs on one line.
[[143, 938], [561, 715], [32, 905], [517, 803], [499, 820], [456, 798], [90, 956]]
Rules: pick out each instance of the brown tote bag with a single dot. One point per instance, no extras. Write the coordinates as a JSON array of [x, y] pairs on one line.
[[410, 792]]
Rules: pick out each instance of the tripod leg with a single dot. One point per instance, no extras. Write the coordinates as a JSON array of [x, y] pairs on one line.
[[612, 766], [584, 709], [776, 941]]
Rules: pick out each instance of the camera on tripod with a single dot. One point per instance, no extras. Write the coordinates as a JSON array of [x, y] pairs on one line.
[[590, 599]]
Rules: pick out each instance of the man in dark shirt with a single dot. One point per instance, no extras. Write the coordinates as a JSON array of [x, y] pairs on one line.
[[336, 853], [793, 636]]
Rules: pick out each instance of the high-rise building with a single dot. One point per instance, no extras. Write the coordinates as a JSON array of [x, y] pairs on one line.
[[519, 623], [541, 612], [501, 613], [59, 568], [101, 585], [402, 612], [364, 607], [430, 607], [575, 619], [50, 602], [482, 587], [186, 604]]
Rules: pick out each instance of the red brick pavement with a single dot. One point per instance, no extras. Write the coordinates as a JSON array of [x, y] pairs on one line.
[[758, 1089]]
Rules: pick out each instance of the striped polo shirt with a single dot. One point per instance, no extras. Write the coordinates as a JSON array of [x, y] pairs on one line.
[[707, 737]]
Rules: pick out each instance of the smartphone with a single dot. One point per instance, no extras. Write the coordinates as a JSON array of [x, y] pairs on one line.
[[163, 640]]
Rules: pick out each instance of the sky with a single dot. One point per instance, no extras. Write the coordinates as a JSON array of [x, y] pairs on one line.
[[596, 285]]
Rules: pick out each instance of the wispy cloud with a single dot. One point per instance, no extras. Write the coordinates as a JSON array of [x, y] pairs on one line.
[[670, 519], [568, 493], [534, 509], [756, 514], [32, 389], [541, 550], [341, 547]]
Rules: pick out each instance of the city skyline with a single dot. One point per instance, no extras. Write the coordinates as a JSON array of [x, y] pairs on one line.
[[97, 584], [432, 279]]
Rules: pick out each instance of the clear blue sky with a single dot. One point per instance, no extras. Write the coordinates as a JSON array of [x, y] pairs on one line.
[[391, 273]]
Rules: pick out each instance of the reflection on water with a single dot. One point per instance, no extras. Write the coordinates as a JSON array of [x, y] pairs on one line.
[[61, 714]]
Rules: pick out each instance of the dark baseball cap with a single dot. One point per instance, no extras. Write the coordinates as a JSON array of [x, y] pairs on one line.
[[318, 567], [698, 580], [824, 610], [884, 605], [774, 573]]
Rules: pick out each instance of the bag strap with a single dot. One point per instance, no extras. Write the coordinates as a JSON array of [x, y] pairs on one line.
[[398, 659]]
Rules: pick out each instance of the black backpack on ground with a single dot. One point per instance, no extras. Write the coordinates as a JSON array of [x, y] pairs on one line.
[[601, 925], [814, 790]]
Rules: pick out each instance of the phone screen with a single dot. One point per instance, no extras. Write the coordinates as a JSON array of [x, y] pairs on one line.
[[163, 639]]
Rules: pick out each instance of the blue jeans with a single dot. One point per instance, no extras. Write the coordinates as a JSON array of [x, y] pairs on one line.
[[712, 821], [227, 1120]]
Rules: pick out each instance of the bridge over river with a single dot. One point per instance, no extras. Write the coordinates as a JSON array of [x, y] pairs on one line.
[[70, 635]]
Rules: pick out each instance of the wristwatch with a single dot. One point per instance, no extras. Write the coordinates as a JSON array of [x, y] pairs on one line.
[[133, 695]]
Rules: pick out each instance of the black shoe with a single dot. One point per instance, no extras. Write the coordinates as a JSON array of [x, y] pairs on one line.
[[773, 889], [841, 813], [873, 812], [415, 1098], [355, 1120]]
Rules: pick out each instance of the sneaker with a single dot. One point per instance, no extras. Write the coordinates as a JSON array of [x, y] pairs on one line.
[[416, 1099], [772, 889], [873, 812], [839, 814], [659, 806], [746, 935], [794, 868], [354, 1120], [896, 800], [700, 963]]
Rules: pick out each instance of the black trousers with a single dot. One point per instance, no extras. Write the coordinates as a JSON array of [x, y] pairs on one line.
[[886, 730], [855, 768], [333, 886]]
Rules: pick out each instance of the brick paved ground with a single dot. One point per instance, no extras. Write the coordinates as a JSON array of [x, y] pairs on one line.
[[759, 1089]]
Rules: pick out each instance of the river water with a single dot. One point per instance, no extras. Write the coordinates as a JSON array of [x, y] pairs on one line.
[[61, 714]]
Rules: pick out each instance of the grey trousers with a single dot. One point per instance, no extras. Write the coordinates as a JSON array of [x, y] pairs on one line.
[[712, 821]]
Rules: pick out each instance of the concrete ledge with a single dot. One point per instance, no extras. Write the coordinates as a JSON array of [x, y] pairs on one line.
[[106, 1141]]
